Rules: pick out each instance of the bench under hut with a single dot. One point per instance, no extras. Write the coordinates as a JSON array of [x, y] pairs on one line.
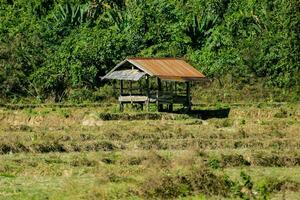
[[163, 81]]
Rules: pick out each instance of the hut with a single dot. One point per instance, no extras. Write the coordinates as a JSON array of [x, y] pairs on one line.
[[163, 81]]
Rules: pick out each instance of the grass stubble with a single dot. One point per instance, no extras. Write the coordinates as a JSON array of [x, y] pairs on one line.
[[72, 153]]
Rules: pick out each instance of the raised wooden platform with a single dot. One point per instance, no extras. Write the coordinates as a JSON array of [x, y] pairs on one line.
[[133, 99], [167, 99]]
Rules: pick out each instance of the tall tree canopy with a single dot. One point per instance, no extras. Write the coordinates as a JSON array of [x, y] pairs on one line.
[[50, 46]]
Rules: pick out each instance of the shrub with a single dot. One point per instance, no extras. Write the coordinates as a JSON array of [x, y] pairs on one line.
[[65, 113], [172, 185], [224, 123], [274, 160], [81, 95], [126, 116], [83, 161], [214, 163], [281, 114], [135, 160], [233, 160], [111, 158], [106, 92], [243, 189]]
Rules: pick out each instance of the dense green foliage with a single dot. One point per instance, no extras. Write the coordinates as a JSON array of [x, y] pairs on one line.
[[49, 48]]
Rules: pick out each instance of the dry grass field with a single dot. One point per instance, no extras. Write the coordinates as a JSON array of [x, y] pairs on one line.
[[80, 153]]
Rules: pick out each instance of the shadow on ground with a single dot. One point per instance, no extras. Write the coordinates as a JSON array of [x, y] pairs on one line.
[[179, 114], [207, 113]]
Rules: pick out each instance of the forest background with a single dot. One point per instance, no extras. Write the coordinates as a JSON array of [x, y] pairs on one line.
[[57, 50]]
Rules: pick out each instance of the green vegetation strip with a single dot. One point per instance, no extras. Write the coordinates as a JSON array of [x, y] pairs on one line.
[[54, 105], [143, 116], [105, 104], [150, 175]]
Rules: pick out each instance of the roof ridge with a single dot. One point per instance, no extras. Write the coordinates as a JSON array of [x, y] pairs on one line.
[[155, 58]]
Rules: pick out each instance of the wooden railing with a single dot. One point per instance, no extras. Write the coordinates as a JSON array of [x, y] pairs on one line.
[[169, 97], [160, 96]]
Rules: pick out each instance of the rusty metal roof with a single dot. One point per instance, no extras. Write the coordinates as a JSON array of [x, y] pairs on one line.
[[167, 68], [164, 68]]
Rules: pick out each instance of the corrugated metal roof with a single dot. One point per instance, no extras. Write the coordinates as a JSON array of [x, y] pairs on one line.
[[130, 74], [164, 68], [167, 68]]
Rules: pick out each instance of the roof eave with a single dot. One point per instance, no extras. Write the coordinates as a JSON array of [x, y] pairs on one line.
[[180, 78]]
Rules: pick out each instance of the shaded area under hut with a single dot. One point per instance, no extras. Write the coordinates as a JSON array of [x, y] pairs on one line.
[[163, 81]]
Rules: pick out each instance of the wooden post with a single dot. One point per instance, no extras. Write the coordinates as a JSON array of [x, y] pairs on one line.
[[159, 106], [121, 87], [188, 96], [114, 87], [170, 108], [159, 84], [121, 93], [130, 92], [142, 106], [171, 89], [140, 87], [130, 88], [121, 107], [148, 93]]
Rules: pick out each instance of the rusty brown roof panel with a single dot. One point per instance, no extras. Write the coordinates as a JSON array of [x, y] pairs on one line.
[[167, 68]]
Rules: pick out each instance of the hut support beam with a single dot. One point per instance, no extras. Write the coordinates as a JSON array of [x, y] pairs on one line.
[[130, 91], [121, 93], [159, 106], [148, 93], [188, 96], [114, 87], [121, 88], [175, 88], [172, 90], [170, 108]]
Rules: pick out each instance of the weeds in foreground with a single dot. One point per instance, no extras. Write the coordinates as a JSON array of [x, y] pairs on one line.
[[175, 184], [133, 157]]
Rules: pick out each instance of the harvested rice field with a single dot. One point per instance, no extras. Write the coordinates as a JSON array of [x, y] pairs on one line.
[[97, 153]]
